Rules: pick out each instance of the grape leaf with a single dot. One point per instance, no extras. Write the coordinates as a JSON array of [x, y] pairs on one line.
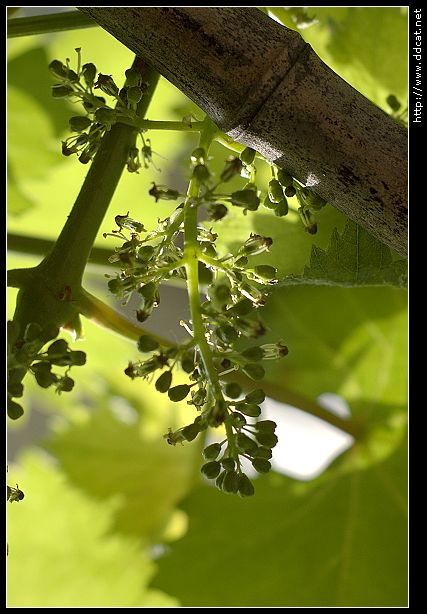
[[62, 552], [29, 73], [17, 201], [337, 541], [291, 246], [348, 341], [354, 258], [366, 46], [104, 456]]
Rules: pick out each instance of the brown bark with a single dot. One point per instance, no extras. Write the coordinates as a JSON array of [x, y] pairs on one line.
[[265, 87]]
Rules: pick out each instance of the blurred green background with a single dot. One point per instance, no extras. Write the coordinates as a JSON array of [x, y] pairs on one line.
[[114, 517]]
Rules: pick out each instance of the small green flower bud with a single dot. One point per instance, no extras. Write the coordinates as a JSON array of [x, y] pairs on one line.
[[147, 343], [15, 389], [256, 244], [145, 252], [62, 91], [226, 333], [310, 199], [216, 211], [178, 393], [393, 103], [265, 426], [105, 115], [263, 453], [254, 353], [57, 348], [133, 77], [190, 431], [134, 95], [220, 294], [32, 331], [245, 443], [233, 390], [163, 194], [91, 102], [16, 375], [230, 483], [88, 153], [174, 437], [290, 191], [265, 271], [248, 155], [78, 123], [254, 371], [14, 410], [232, 167], [106, 84], [251, 328], [269, 440], [241, 262], [89, 73], [198, 156], [150, 295], [77, 358], [262, 465], [211, 470], [242, 307], [245, 486], [198, 397], [142, 314], [201, 173], [282, 208], [42, 373], [284, 178], [228, 463], [14, 494], [275, 191], [211, 452], [72, 76], [50, 331], [164, 381], [187, 362], [218, 413], [308, 220], [245, 198], [249, 409], [237, 419], [220, 479], [64, 384], [58, 69], [268, 204]]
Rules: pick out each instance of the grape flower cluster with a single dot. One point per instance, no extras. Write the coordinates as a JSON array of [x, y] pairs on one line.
[[234, 290], [30, 352], [84, 85], [225, 327]]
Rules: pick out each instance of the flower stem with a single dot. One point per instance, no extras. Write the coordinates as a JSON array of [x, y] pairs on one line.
[[191, 252]]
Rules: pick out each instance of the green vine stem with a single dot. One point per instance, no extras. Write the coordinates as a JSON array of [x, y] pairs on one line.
[[100, 313], [42, 24]]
